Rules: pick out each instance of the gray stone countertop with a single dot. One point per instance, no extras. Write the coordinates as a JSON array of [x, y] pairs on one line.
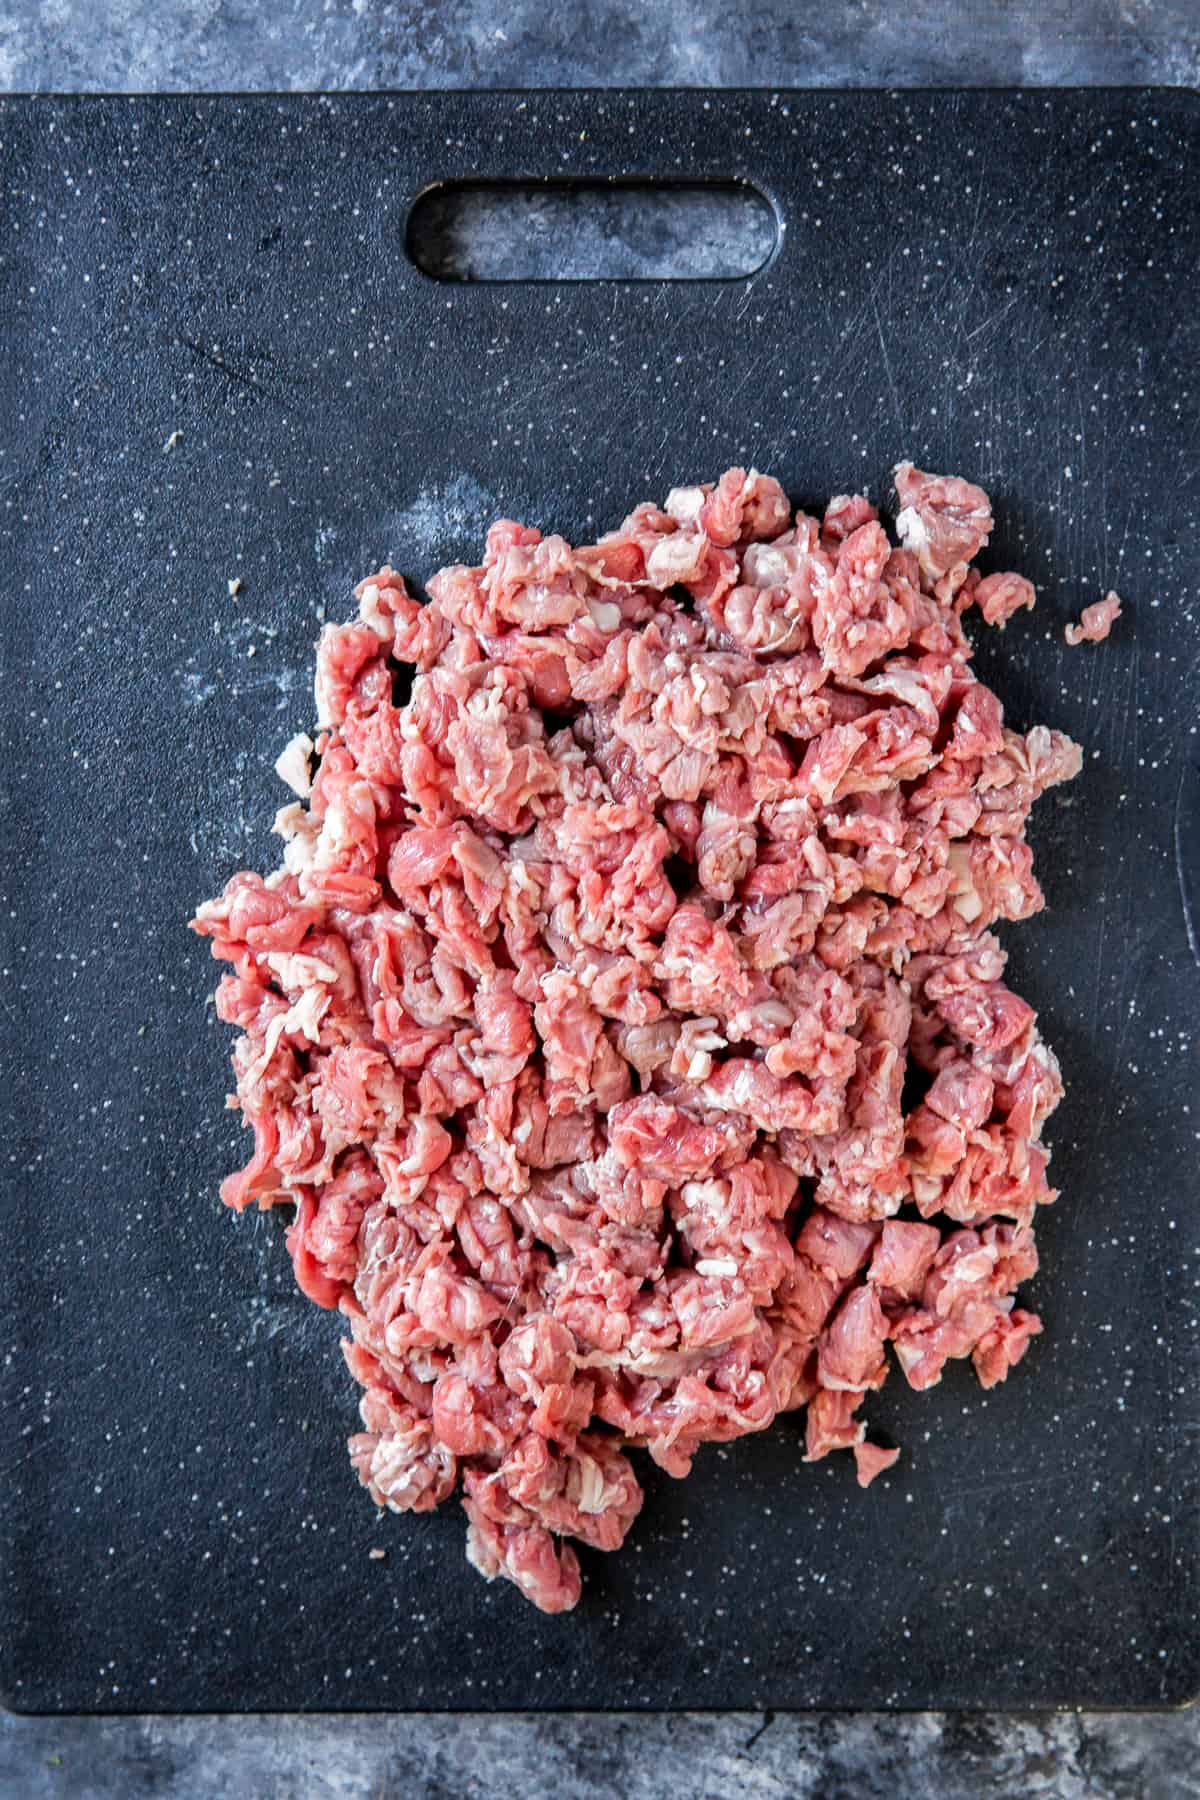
[[196, 45], [207, 45]]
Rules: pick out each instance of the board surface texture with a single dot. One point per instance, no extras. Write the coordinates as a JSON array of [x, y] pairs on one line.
[[997, 285]]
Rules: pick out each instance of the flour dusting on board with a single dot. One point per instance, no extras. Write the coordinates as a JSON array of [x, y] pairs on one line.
[[440, 520]]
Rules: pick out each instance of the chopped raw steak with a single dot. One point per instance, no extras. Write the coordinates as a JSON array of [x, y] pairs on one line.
[[871, 1460], [625, 1025], [1095, 621]]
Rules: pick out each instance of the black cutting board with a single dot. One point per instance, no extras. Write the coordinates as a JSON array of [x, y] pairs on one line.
[[998, 284]]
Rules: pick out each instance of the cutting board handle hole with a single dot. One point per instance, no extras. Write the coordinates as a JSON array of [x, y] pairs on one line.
[[568, 230]]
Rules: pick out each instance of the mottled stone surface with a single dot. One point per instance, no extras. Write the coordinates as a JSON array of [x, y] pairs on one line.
[[821, 1756], [214, 44], [131, 45]]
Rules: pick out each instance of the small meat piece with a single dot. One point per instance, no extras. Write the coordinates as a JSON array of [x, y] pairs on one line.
[[961, 1093], [526, 1556], [998, 597], [1095, 621], [538, 1354], [831, 1424], [399, 1458], [871, 1460], [624, 1024], [1004, 1344], [850, 1349], [902, 1258], [945, 522], [838, 1246]]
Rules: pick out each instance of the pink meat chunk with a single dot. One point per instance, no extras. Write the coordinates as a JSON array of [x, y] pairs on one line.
[[624, 1025], [871, 1460], [1095, 621]]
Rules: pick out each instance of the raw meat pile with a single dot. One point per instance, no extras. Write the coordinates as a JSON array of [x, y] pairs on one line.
[[624, 1022]]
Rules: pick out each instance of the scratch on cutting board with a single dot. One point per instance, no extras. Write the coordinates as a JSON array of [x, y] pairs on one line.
[[1016, 1483], [237, 376], [993, 318], [1189, 924], [887, 361]]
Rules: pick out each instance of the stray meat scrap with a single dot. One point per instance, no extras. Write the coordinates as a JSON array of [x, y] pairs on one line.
[[629, 893], [1095, 621]]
